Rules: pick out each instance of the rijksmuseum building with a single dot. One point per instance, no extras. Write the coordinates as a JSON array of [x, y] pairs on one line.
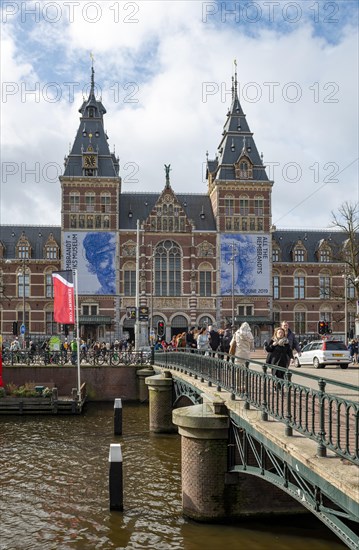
[[201, 259]]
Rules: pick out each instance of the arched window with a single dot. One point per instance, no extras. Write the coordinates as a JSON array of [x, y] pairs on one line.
[[167, 269], [179, 321], [205, 279], [205, 321]]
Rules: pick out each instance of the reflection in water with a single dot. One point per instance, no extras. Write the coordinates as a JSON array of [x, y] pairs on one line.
[[54, 491]]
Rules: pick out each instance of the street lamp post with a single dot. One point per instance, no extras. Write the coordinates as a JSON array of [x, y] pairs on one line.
[[345, 308], [137, 322], [23, 303], [152, 287], [356, 283], [232, 262]]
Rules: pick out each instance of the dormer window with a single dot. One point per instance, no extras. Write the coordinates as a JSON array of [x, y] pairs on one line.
[[299, 254], [23, 248], [91, 112], [23, 251], [244, 168], [275, 255], [324, 255]]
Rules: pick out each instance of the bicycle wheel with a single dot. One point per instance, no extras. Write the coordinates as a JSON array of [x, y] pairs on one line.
[[115, 358], [99, 359]]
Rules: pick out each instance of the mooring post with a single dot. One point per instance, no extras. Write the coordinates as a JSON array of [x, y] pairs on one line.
[[116, 477], [118, 417]]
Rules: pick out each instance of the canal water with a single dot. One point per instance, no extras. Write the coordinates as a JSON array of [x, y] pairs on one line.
[[54, 491]]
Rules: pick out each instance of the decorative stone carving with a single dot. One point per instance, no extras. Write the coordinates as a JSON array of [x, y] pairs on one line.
[[129, 249], [206, 303], [170, 303], [205, 250]]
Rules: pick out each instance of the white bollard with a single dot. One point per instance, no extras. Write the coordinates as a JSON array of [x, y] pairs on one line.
[[116, 477], [118, 417]]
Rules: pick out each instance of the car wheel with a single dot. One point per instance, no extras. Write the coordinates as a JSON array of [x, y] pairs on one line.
[[316, 363], [296, 363], [344, 366]]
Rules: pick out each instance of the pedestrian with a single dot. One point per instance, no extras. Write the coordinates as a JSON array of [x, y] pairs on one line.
[[293, 342], [203, 340], [242, 343], [279, 352], [214, 338], [190, 339], [73, 347], [15, 345], [353, 350], [226, 339], [32, 351]]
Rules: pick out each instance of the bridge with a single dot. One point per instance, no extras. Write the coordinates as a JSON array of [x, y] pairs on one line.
[[291, 433]]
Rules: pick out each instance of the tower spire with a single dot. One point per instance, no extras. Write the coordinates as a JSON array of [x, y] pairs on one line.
[[167, 170], [92, 90], [235, 78]]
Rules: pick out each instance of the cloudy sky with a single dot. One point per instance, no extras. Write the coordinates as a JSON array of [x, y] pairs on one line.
[[164, 72]]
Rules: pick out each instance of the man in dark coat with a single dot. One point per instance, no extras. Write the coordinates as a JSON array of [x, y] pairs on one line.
[[226, 339], [190, 339], [214, 338]]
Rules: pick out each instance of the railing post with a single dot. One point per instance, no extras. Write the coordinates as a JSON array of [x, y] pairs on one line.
[[264, 400], [322, 451], [246, 385], [288, 417], [218, 375], [233, 377], [152, 360]]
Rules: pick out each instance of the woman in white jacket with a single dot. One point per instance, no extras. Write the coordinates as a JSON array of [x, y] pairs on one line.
[[243, 339]]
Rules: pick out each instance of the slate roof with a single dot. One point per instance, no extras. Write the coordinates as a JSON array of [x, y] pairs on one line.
[[286, 239], [108, 164], [141, 204], [37, 235], [237, 138]]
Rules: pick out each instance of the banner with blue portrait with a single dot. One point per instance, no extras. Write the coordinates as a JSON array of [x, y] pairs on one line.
[[93, 254], [245, 264]]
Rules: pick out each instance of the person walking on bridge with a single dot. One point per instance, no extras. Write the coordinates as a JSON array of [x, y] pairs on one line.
[[293, 342], [242, 341], [279, 352]]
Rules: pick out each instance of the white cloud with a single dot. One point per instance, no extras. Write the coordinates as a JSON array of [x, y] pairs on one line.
[[170, 54]]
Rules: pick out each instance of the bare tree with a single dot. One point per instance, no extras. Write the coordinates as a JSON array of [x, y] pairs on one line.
[[347, 220]]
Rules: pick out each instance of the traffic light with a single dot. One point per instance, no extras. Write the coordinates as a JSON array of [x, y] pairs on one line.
[[160, 328], [14, 328], [321, 327]]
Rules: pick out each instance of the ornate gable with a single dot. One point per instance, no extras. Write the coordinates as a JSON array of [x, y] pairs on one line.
[[23, 247], [243, 167], [168, 215]]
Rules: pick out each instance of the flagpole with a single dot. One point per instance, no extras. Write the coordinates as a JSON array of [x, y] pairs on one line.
[[77, 336]]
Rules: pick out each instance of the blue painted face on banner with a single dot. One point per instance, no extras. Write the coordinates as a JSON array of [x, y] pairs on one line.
[[100, 252]]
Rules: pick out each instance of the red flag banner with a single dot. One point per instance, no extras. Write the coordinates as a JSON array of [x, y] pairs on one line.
[[64, 299]]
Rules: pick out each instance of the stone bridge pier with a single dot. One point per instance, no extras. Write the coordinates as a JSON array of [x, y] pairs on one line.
[[160, 389], [204, 433], [210, 493]]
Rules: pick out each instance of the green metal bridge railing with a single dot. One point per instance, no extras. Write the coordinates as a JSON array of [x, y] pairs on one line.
[[327, 418]]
